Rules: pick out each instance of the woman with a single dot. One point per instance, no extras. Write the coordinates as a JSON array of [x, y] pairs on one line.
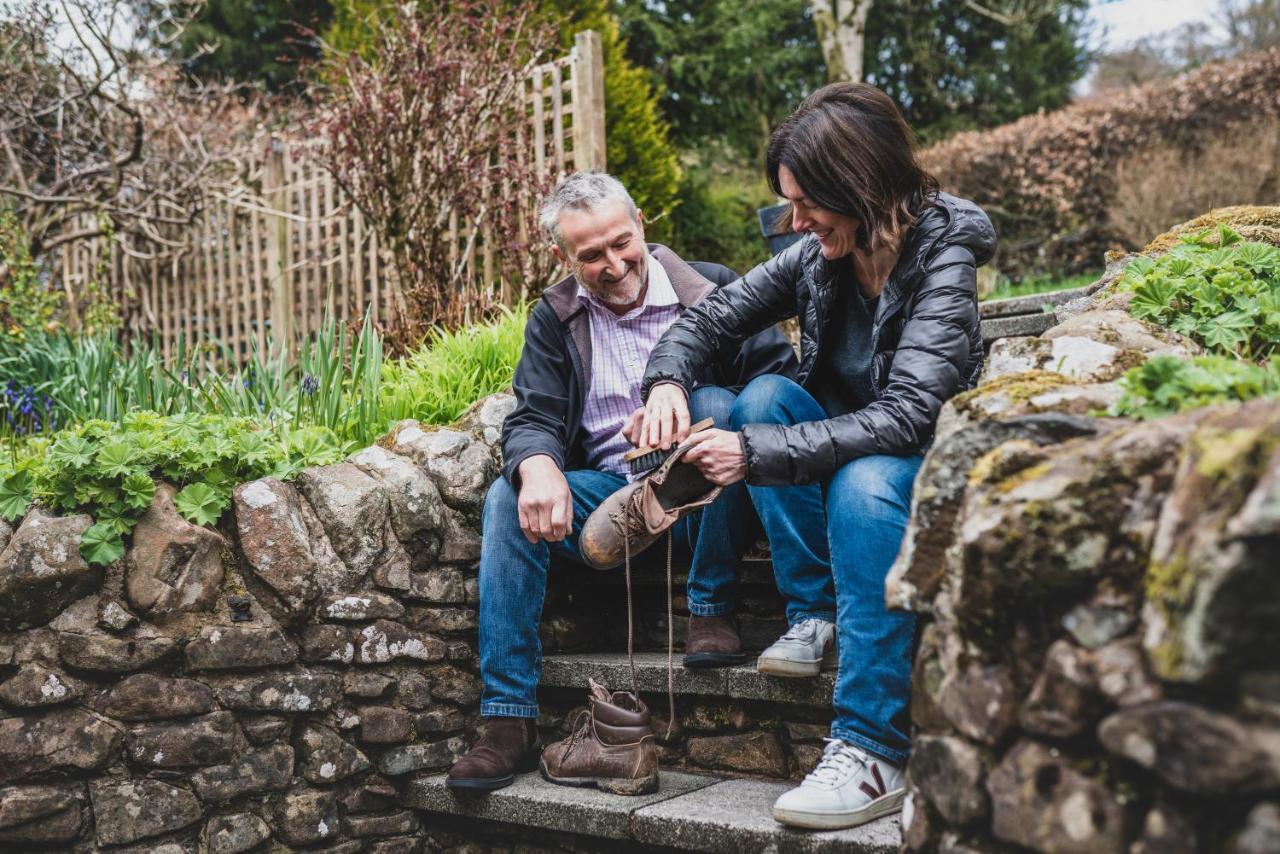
[[884, 286]]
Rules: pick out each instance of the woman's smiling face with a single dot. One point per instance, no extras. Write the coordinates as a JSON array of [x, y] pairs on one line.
[[836, 233]]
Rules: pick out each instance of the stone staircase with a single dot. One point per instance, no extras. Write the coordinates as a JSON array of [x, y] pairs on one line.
[[740, 738]]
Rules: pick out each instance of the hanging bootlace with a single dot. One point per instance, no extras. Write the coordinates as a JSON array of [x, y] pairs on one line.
[[626, 530]]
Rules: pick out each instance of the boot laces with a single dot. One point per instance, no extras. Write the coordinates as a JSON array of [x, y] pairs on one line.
[[581, 725], [840, 761]]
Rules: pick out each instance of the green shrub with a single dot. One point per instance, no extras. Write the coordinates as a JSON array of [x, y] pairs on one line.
[[716, 219], [1224, 296], [1166, 385], [453, 370], [1223, 292], [108, 469], [139, 421]]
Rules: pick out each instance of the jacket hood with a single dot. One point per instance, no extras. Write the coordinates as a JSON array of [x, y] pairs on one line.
[[954, 222]]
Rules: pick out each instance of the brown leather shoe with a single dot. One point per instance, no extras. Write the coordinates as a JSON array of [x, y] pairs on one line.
[[506, 745], [713, 642], [643, 510], [612, 747]]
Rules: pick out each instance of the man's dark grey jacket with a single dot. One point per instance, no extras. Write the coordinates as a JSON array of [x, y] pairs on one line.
[[554, 372], [926, 342]]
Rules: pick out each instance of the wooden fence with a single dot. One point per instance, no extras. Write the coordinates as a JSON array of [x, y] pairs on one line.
[[269, 263]]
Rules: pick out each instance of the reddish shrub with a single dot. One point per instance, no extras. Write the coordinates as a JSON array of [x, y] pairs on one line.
[[1049, 182]]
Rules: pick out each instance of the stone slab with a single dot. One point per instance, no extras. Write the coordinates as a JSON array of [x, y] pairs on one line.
[[571, 670], [735, 816], [1033, 304], [533, 802], [1021, 326]]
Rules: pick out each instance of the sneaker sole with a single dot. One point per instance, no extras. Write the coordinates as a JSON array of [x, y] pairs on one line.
[[788, 667], [703, 660], [613, 785], [879, 808]]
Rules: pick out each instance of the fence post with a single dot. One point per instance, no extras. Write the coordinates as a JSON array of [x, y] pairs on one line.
[[276, 196], [588, 102]]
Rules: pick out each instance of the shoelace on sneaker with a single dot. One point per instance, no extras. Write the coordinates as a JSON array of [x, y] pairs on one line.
[[803, 631], [840, 761]]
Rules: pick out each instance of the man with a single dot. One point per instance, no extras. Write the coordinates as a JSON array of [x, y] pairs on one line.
[[577, 391]]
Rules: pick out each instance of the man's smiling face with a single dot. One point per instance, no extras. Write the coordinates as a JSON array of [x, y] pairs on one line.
[[605, 249]]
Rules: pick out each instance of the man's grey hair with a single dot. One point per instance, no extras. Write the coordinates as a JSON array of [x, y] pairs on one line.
[[582, 191]]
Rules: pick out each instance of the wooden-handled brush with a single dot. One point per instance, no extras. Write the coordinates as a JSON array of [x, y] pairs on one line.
[[644, 458]]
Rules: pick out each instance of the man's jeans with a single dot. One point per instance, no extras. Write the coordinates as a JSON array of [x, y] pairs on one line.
[[513, 571], [833, 544]]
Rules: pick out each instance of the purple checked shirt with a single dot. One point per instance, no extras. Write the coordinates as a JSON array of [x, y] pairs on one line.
[[620, 348]]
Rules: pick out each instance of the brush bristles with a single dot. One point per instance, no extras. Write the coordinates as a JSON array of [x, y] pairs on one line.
[[651, 460]]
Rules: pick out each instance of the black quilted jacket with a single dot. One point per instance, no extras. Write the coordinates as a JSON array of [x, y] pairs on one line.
[[927, 342]]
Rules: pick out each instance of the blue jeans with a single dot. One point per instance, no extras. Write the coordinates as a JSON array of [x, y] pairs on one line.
[[513, 571], [833, 544]]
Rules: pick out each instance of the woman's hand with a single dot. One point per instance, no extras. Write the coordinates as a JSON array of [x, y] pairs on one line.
[[666, 417], [718, 455]]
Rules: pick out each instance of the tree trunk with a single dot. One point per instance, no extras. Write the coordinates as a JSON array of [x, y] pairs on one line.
[[842, 26]]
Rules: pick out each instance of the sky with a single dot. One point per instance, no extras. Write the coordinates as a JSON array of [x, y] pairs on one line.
[[1127, 20]]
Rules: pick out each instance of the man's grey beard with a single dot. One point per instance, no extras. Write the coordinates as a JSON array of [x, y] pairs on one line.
[[614, 298]]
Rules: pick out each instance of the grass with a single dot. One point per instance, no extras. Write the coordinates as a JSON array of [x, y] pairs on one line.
[[338, 380], [453, 370], [1040, 284]]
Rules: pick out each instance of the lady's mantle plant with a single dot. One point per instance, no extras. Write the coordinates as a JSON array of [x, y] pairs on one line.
[[109, 470]]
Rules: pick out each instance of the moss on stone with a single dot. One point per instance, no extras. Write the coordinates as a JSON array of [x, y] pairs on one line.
[[1019, 388], [1252, 222], [1231, 454], [1013, 481], [1001, 461]]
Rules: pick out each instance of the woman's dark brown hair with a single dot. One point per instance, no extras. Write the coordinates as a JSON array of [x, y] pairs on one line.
[[852, 153]]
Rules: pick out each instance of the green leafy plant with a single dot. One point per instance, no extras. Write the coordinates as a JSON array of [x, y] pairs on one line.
[[109, 470], [1166, 385], [1224, 295]]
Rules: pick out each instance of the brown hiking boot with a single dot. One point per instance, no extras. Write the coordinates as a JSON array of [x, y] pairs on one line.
[[634, 516], [506, 746], [612, 747], [713, 642]]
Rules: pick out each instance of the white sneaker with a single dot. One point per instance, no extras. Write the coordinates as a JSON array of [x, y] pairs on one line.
[[800, 651], [848, 788]]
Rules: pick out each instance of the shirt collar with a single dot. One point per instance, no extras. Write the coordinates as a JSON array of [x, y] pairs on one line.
[[658, 294]]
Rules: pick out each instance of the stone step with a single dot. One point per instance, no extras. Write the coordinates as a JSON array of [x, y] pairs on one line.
[[690, 812], [1020, 326], [1033, 304], [571, 671], [756, 568]]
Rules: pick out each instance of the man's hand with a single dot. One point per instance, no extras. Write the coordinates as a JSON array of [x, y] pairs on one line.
[[545, 502], [718, 455], [666, 416]]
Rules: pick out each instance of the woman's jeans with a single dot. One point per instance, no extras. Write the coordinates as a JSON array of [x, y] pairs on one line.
[[833, 544], [513, 571]]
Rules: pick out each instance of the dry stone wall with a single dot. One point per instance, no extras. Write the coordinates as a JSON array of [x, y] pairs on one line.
[[272, 684], [1099, 669]]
